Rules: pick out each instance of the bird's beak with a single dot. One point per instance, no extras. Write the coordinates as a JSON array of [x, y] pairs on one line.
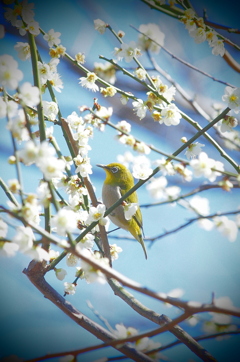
[[102, 166]]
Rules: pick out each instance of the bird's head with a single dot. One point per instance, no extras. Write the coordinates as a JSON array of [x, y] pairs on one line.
[[117, 174]]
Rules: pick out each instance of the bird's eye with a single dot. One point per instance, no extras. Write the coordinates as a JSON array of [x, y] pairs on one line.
[[114, 169]]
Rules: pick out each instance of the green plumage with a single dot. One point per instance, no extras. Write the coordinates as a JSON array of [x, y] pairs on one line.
[[118, 181]]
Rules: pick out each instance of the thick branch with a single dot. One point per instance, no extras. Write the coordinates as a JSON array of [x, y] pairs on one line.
[[35, 272], [162, 320]]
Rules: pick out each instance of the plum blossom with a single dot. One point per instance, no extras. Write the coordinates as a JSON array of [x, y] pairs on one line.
[[33, 27], [203, 167], [194, 150], [89, 81], [3, 229], [52, 37], [227, 227], [3, 108], [232, 97], [91, 274], [10, 75], [140, 108], [29, 94], [170, 115], [23, 50], [50, 109], [69, 288], [150, 31], [228, 123], [217, 47], [24, 238], [60, 273], [141, 172], [114, 251], [8, 249], [96, 213], [86, 242], [199, 34], [65, 221], [124, 126], [130, 210], [72, 260], [100, 26]]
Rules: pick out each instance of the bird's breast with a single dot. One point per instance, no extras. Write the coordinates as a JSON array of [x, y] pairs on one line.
[[110, 195]]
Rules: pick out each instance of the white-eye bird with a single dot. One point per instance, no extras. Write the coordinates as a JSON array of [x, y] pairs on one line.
[[118, 181]]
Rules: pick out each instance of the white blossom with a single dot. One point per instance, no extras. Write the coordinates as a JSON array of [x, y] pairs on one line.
[[170, 115], [89, 81], [50, 109], [227, 227], [83, 165], [14, 185], [3, 229], [23, 50], [130, 210], [29, 94], [74, 120], [141, 172], [44, 72], [3, 108], [90, 273], [165, 167], [232, 97], [129, 51], [194, 150], [156, 187], [100, 26], [64, 221], [87, 242], [200, 205], [60, 273], [172, 192], [38, 253], [72, 260], [8, 249], [43, 193], [218, 47], [114, 251], [10, 75], [52, 38], [122, 332], [124, 126], [222, 302], [140, 73], [140, 108], [199, 34], [51, 167], [203, 167], [96, 213], [151, 31], [141, 147], [24, 238], [33, 27], [228, 123], [69, 288]]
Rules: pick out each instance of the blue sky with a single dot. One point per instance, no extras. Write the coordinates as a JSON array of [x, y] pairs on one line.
[[197, 261]]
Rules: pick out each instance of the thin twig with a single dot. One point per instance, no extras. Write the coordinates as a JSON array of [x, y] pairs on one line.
[[189, 65]]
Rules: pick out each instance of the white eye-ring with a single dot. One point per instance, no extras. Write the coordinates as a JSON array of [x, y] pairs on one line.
[[114, 169]]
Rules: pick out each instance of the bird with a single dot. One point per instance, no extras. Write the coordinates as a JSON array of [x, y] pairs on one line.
[[118, 181]]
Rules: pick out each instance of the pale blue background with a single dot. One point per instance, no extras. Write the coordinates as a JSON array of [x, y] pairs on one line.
[[197, 261]]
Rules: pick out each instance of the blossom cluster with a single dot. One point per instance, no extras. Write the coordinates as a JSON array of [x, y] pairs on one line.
[[202, 32], [144, 345]]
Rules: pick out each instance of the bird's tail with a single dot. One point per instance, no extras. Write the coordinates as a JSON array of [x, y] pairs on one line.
[[141, 241]]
